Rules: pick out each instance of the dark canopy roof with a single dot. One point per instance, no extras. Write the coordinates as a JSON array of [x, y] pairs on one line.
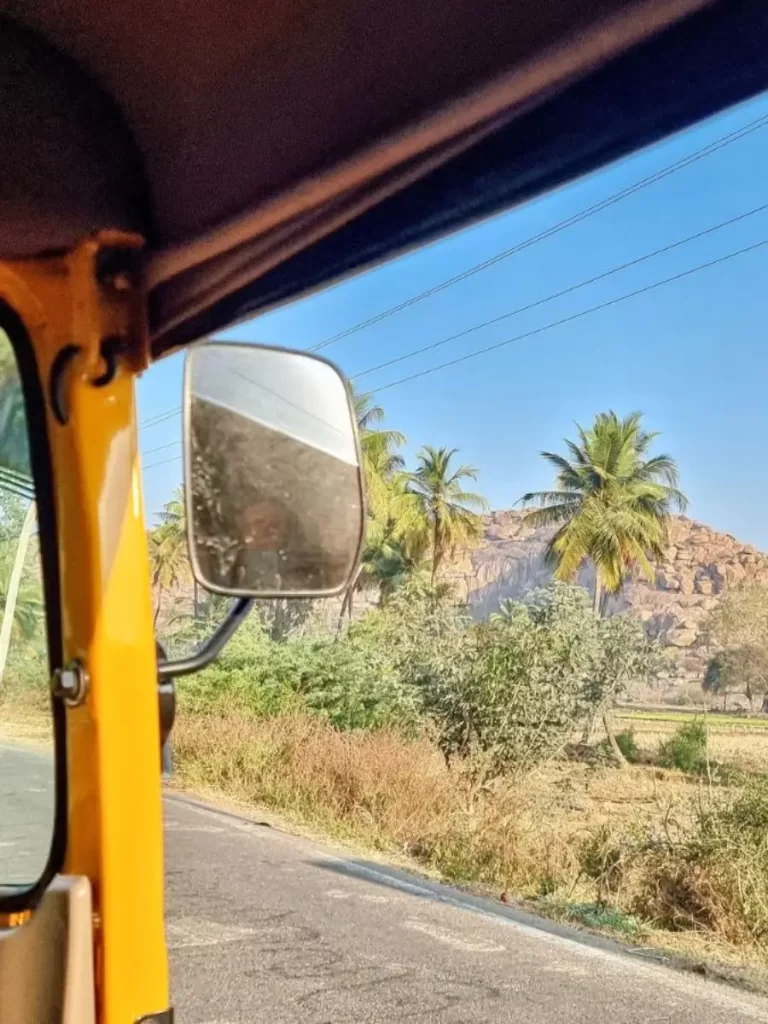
[[265, 148]]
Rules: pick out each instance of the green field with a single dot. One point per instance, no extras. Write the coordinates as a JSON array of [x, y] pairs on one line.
[[715, 720]]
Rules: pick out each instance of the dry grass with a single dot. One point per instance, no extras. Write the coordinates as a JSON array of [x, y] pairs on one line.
[[26, 720], [618, 849], [572, 836]]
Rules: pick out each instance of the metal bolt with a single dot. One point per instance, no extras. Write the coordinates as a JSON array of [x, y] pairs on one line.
[[70, 684], [117, 268]]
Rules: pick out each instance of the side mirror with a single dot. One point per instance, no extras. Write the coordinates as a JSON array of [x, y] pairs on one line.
[[273, 472]]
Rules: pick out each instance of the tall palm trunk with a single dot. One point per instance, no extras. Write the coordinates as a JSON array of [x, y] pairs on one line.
[[597, 596], [437, 553], [159, 604], [598, 602], [14, 583]]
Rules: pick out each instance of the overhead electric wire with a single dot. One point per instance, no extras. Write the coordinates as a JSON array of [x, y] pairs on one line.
[[162, 447], [163, 462], [713, 147], [564, 291], [153, 420], [572, 317], [550, 326], [683, 162]]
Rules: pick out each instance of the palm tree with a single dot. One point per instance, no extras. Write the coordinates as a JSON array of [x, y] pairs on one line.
[[168, 549], [611, 503], [449, 514], [381, 460], [387, 501]]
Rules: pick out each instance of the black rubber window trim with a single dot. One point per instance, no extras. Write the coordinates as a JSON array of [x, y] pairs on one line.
[[27, 898]]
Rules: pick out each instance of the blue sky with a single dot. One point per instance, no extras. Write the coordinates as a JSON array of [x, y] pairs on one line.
[[690, 355]]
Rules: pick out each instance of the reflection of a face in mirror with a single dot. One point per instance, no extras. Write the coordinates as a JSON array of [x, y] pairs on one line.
[[263, 528], [274, 478]]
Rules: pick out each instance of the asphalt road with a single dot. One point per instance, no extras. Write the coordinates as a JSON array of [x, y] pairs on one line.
[[266, 927], [26, 814]]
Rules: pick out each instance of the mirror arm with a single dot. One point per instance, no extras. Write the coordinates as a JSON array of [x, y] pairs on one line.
[[213, 645]]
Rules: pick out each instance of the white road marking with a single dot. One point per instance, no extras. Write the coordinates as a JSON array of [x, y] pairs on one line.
[[753, 1006], [365, 897], [338, 894], [455, 941], [186, 932], [176, 826]]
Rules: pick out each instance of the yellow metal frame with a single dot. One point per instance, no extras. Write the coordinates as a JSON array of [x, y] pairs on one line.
[[113, 742]]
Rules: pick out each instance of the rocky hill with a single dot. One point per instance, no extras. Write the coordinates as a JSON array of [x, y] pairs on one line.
[[700, 565]]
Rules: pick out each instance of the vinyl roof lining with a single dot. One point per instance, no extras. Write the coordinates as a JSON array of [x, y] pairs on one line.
[[712, 60], [195, 276], [331, 182]]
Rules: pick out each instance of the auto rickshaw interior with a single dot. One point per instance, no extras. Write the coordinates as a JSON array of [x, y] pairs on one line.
[[166, 172]]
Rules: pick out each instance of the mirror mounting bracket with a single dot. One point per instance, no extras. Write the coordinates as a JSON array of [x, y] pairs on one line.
[[213, 645]]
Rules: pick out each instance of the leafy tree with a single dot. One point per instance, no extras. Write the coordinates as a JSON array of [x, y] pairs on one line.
[[168, 549], [740, 618], [611, 503], [509, 693], [449, 513], [627, 657], [738, 670], [739, 624]]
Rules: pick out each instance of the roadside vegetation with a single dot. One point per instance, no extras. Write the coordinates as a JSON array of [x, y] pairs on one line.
[[495, 754]]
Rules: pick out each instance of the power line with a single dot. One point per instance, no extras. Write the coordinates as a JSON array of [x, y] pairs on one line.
[[153, 420], [713, 147], [700, 154], [163, 462], [574, 316], [161, 447], [565, 291]]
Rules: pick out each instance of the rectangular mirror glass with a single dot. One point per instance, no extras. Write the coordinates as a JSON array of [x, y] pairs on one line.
[[273, 478]]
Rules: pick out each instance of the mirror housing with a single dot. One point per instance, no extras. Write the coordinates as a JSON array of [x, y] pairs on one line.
[[273, 477]]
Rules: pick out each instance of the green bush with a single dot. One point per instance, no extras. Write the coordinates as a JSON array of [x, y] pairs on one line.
[[506, 693], [627, 745], [510, 693], [687, 749], [350, 682]]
